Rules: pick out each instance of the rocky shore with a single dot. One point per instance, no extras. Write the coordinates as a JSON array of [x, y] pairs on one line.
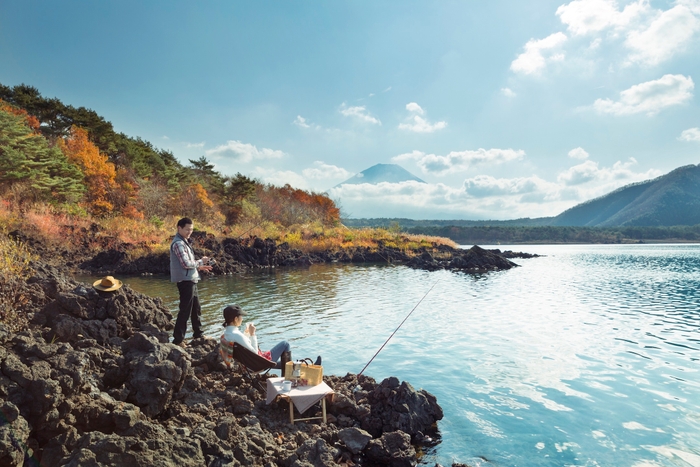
[[93, 381], [234, 255]]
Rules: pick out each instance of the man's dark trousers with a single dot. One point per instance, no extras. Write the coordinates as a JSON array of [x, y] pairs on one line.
[[189, 307]]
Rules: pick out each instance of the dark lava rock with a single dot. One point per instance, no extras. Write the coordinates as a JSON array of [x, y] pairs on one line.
[[93, 381]]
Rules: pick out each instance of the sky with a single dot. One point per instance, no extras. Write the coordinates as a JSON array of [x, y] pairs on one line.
[[505, 108]]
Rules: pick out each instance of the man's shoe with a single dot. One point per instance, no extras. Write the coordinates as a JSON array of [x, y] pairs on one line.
[[182, 344]]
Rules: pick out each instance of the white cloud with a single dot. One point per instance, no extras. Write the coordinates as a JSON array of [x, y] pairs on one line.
[[650, 97], [323, 171], [508, 92], [413, 107], [578, 153], [421, 125], [194, 145], [591, 16], [360, 113], [668, 34], [535, 57], [692, 5], [487, 197], [691, 134], [281, 177], [243, 152], [485, 185], [582, 173], [590, 171], [459, 161], [417, 123], [409, 156], [165, 137], [301, 122], [636, 33]]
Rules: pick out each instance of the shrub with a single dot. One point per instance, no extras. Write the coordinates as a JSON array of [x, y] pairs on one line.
[[14, 268]]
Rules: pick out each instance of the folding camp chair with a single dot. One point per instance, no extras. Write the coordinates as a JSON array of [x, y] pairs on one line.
[[252, 365]]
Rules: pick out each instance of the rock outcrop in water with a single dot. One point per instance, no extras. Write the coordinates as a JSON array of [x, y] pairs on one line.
[[94, 382], [234, 255]]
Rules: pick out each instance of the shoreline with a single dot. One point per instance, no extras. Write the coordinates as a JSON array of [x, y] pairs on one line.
[[91, 377], [94, 380]]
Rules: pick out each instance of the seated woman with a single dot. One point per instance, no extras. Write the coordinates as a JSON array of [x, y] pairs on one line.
[[233, 317]]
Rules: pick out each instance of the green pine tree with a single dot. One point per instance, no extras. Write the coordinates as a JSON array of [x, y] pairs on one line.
[[27, 158]]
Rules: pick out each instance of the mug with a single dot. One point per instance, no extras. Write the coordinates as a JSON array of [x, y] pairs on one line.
[[286, 386]]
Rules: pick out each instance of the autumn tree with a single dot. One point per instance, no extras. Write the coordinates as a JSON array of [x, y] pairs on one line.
[[194, 202], [31, 121], [137, 156], [100, 174], [288, 205]]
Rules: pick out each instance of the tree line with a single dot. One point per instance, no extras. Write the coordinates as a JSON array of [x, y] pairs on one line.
[[55, 153], [553, 234]]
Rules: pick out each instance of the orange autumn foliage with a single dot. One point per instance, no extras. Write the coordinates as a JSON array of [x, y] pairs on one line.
[[289, 205], [32, 121], [100, 174], [194, 201]]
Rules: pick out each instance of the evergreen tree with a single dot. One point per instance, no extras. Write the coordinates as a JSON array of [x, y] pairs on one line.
[[27, 158]]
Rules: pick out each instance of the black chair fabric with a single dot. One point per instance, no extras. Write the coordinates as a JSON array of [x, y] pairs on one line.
[[252, 364]]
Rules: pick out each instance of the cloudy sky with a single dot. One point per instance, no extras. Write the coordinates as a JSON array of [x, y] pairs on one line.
[[506, 108]]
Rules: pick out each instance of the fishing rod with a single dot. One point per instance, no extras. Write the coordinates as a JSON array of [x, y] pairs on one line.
[[259, 223], [404, 320]]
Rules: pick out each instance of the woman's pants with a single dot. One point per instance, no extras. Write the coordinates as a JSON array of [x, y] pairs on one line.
[[276, 353]]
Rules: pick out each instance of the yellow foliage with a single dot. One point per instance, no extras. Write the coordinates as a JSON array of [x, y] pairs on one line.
[[100, 174]]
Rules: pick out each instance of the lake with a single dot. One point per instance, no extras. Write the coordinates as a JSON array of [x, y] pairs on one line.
[[588, 356]]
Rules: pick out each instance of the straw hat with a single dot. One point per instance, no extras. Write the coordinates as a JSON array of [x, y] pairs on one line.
[[107, 284]]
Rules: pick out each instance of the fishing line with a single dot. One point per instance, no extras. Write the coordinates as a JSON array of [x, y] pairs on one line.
[[404, 320]]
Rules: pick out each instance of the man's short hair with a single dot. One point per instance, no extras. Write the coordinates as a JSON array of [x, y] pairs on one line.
[[183, 222]]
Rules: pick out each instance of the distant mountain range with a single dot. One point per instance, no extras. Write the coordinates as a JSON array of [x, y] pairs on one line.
[[669, 200], [391, 173]]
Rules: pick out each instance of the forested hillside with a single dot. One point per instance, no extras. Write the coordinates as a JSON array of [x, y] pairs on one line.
[[672, 199], [72, 158]]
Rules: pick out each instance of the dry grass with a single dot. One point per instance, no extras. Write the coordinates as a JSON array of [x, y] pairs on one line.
[[153, 235], [316, 238], [138, 232], [14, 267]]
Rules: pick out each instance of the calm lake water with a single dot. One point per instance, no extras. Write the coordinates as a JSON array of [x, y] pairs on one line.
[[589, 356]]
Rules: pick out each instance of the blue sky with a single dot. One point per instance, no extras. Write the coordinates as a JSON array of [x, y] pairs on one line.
[[506, 109]]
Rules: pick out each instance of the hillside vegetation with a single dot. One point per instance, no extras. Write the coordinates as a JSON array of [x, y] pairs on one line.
[[669, 200], [64, 170]]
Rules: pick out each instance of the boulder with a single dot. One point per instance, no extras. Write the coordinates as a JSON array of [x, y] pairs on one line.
[[14, 433], [154, 372], [354, 439], [392, 449], [398, 406]]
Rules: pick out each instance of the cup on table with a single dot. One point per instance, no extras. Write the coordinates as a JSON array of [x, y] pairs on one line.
[[286, 386]]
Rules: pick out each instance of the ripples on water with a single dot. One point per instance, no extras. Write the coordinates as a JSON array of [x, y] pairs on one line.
[[585, 357]]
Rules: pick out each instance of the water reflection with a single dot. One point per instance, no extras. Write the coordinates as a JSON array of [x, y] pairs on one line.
[[587, 356]]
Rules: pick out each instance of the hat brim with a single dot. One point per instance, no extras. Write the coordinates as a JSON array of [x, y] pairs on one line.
[[98, 286]]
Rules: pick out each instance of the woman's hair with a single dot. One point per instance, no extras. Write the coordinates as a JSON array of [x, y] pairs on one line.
[[232, 312]]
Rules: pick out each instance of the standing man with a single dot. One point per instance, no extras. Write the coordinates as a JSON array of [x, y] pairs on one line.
[[184, 270]]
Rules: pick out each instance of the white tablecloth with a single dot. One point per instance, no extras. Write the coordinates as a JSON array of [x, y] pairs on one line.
[[303, 397]]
